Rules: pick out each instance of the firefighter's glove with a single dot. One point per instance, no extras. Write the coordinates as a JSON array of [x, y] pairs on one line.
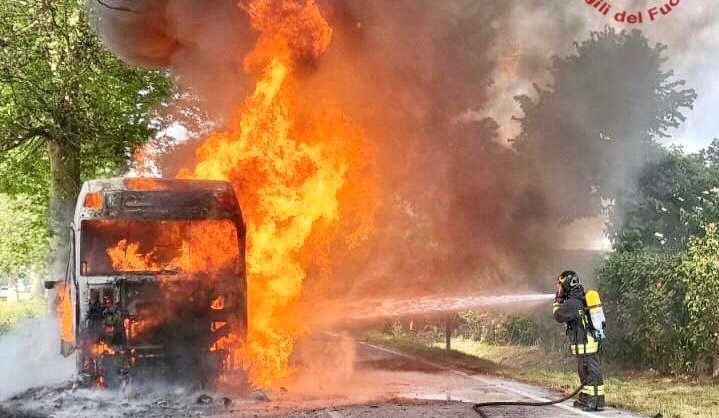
[[555, 306]]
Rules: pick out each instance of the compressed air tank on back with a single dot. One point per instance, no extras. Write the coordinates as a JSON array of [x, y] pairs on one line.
[[596, 313]]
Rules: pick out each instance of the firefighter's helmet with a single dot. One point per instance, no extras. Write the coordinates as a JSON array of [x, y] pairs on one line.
[[568, 279]]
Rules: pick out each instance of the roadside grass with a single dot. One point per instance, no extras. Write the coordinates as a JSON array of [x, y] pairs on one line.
[[13, 312], [641, 392]]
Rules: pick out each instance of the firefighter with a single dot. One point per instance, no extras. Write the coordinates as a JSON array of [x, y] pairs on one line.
[[569, 308]]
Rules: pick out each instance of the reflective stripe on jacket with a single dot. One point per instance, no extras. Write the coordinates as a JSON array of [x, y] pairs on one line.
[[590, 347]]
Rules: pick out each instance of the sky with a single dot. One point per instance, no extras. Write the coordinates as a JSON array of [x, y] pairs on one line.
[[691, 31]]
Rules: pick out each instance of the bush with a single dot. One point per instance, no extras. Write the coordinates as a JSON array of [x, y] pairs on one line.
[[13, 312], [477, 326], [643, 294], [662, 307], [700, 270], [509, 329], [519, 330]]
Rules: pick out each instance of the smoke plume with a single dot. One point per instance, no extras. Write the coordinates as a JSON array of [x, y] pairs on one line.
[[432, 85], [30, 357]]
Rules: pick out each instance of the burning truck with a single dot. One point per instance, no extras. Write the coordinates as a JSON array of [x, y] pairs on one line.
[[155, 285]]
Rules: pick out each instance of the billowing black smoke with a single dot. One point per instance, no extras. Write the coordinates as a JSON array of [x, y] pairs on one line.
[[432, 83]]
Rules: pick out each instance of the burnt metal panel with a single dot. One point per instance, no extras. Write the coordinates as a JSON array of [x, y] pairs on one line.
[[166, 205]]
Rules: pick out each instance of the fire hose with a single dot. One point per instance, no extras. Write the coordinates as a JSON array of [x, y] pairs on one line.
[[478, 407], [598, 323]]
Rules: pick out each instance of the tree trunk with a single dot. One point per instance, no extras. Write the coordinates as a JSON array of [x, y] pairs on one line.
[[64, 188], [715, 372]]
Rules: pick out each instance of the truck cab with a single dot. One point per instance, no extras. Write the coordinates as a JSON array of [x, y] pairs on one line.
[[155, 286]]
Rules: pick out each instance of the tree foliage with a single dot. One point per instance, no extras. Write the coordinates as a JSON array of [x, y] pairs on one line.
[[662, 306], [60, 84], [643, 294], [24, 234], [700, 270], [592, 129], [675, 197], [69, 109]]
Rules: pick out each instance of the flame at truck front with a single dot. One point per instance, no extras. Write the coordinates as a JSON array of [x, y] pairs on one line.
[[65, 313], [149, 261], [208, 249]]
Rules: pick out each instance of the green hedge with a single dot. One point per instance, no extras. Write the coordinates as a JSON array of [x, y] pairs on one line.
[[643, 296], [662, 307], [700, 269]]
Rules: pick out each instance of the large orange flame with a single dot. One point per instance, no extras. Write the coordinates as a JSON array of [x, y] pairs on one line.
[[65, 313], [208, 249], [289, 176]]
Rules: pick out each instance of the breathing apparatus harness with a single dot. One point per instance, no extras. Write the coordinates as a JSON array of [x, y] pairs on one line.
[[592, 317]]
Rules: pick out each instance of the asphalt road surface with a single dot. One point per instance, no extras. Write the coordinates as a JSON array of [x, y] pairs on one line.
[[378, 383]]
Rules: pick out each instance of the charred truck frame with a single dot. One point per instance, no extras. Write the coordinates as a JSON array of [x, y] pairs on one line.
[[155, 285]]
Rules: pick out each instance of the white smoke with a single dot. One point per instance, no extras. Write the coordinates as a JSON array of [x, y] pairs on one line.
[[30, 357]]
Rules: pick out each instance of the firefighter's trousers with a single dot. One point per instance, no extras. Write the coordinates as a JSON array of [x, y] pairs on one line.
[[590, 375]]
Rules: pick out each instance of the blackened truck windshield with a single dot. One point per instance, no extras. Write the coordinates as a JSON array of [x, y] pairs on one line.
[[121, 246]]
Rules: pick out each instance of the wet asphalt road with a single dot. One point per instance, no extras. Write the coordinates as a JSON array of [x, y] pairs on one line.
[[381, 383]]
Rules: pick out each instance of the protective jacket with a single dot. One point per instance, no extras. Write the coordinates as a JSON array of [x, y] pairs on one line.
[[572, 312]]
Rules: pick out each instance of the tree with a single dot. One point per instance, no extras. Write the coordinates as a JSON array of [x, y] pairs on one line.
[[24, 235], [675, 197], [595, 126], [67, 106]]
